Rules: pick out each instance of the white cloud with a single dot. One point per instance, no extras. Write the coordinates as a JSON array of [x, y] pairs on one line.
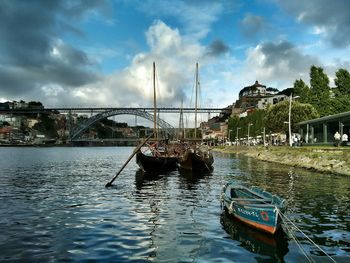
[[175, 60], [319, 30], [332, 17], [194, 17], [278, 64], [52, 90]]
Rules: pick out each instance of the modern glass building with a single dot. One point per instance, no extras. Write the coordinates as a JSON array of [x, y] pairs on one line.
[[322, 130]]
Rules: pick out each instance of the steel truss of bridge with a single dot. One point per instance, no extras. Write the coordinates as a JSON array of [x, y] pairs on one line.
[[98, 114], [103, 109]]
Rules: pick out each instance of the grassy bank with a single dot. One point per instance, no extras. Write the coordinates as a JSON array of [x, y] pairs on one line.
[[323, 159]]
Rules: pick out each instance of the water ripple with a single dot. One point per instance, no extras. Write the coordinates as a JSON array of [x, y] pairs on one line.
[[55, 208]]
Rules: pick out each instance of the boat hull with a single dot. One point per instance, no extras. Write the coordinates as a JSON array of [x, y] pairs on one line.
[[255, 241], [255, 221], [156, 164], [260, 212], [191, 161]]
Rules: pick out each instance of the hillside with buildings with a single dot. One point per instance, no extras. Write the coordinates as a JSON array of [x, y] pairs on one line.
[[53, 127], [251, 98]]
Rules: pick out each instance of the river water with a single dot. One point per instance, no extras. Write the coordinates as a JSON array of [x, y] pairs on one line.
[[54, 207]]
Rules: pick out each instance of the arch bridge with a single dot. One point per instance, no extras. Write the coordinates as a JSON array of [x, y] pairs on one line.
[[80, 128]]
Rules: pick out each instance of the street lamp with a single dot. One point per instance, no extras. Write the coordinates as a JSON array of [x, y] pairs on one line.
[[289, 118], [264, 136], [238, 128], [249, 124]]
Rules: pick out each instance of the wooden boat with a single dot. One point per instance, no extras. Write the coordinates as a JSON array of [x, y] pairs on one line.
[[156, 161], [255, 241], [154, 164], [251, 205], [196, 158], [158, 158]]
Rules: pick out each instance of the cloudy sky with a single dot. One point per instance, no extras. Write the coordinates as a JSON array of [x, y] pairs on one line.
[[100, 53]]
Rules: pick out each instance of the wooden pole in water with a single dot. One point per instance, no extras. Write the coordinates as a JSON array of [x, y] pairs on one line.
[[131, 156], [154, 101], [195, 112]]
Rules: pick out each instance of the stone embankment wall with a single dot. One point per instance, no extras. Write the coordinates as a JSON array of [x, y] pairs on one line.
[[322, 159]]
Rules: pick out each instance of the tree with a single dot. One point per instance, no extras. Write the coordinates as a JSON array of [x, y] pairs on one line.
[[272, 89], [277, 115], [340, 104], [342, 82], [4, 123], [46, 126], [255, 118], [319, 82], [302, 90], [286, 92], [35, 105], [320, 91]]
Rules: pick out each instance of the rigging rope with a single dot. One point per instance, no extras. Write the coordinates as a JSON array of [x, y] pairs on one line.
[[290, 232], [285, 218]]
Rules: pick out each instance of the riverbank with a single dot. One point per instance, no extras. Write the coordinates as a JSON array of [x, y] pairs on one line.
[[322, 159], [74, 144]]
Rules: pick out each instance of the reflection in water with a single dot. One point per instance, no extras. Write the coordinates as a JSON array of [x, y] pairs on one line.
[[189, 179], [142, 178], [274, 246], [54, 207], [148, 190], [171, 205]]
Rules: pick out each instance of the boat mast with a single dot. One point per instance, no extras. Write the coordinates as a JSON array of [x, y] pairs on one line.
[[181, 131], [195, 111], [154, 102]]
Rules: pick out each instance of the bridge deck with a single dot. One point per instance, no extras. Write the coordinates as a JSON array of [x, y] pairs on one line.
[[102, 109]]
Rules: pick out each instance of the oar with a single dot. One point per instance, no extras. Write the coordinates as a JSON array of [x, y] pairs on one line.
[[131, 156]]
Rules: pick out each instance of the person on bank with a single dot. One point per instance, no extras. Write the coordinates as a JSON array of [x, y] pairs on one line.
[[337, 138], [344, 139]]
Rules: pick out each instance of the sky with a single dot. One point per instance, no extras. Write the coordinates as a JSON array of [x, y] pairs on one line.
[[99, 53]]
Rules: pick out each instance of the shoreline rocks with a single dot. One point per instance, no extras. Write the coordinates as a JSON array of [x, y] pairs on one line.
[[321, 159]]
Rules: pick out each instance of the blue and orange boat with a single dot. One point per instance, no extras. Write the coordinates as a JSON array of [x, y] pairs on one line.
[[253, 206]]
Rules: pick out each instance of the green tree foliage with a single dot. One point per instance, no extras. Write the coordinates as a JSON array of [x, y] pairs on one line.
[[302, 90], [112, 123], [318, 95], [341, 103], [278, 114], [46, 126], [270, 89], [4, 123], [320, 91], [256, 119], [319, 83], [35, 104], [287, 92], [190, 133], [342, 82]]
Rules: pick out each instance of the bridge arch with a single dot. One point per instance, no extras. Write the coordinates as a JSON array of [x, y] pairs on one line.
[[80, 128]]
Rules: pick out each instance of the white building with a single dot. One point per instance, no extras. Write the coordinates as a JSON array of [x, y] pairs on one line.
[[262, 104]]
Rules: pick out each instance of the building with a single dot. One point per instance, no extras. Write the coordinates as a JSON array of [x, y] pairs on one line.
[[256, 96], [250, 95], [12, 120], [5, 133], [262, 103], [31, 122], [322, 130]]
